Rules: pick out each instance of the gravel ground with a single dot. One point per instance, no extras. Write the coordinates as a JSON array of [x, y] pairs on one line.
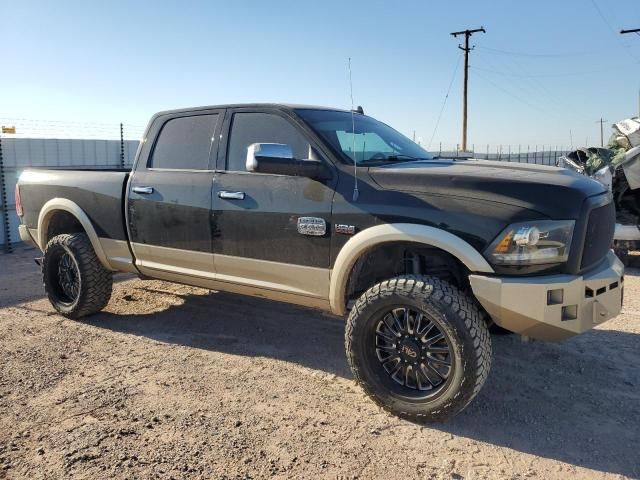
[[179, 382]]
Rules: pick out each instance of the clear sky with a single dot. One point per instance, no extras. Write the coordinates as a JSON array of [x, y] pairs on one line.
[[542, 69]]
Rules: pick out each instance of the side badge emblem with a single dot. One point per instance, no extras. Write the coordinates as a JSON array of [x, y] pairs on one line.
[[313, 226], [345, 229]]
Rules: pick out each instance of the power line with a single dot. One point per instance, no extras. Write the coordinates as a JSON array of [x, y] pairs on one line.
[[531, 87], [565, 74], [516, 97], [65, 122], [444, 101], [602, 16], [595, 5], [541, 55]]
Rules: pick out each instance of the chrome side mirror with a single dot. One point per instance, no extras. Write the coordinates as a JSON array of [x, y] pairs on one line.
[[277, 159], [263, 154]]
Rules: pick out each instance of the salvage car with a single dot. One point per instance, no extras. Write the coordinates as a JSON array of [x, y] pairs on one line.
[[335, 210], [617, 167]]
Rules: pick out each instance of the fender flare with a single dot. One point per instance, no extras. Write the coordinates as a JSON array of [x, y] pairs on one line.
[[397, 232], [62, 204]]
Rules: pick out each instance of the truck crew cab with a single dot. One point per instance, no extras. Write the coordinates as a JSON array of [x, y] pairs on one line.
[[335, 210]]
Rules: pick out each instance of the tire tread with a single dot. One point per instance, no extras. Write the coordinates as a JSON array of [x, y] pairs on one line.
[[428, 288], [97, 281]]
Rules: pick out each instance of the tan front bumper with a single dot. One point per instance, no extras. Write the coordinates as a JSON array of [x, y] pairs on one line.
[[553, 307]]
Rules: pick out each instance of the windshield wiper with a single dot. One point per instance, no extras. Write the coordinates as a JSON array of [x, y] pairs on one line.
[[402, 157], [394, 158]]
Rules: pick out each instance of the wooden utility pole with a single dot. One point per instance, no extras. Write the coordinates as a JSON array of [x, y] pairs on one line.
[[601, 122], [637, 32], [466, 49]]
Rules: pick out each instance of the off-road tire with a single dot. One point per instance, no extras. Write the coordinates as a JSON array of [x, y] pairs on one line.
[[458, 316], [95, 281]]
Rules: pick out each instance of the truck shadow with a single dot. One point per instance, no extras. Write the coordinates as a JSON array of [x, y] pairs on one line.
[[575, 402]]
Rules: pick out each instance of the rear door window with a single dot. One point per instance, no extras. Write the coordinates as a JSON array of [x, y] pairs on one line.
[[184, 143]]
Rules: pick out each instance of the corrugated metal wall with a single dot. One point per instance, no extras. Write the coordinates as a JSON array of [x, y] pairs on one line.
[[20, 153]]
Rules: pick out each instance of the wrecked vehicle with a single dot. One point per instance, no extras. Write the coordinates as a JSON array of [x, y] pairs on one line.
[[617, 167]]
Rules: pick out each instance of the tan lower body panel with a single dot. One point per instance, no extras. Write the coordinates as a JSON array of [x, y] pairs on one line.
[[553, 307], [210, 283], [297, 284], [297, 279], [118, 255], [151, 258]]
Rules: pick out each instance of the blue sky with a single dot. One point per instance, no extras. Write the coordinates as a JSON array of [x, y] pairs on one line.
[[543, 68]]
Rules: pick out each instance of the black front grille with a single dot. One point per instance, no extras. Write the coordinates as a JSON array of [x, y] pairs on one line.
[[599, 235]]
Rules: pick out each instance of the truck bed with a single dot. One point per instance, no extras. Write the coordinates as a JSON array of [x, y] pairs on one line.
[[99, 193]]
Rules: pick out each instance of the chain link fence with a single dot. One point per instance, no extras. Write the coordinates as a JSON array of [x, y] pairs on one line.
[[57, 144], [537, 154], [53, 144]]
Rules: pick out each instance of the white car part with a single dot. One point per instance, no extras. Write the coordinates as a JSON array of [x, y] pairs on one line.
[[629, 233], [631, 167], [605, 177]]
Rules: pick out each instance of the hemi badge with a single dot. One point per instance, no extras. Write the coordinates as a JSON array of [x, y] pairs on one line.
[[313, 226], [345, 229]]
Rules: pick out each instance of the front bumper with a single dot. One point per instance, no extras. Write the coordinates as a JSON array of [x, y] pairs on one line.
[[553, 307]]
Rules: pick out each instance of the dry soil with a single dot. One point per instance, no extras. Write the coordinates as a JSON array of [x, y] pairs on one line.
[[179, 382]]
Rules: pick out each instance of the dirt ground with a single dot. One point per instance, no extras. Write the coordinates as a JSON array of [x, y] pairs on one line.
[[179, 382]]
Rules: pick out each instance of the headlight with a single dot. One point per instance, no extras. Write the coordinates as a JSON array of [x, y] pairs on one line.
[[532, 243]]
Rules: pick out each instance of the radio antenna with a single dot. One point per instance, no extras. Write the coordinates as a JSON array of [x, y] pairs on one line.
[[356, 193]]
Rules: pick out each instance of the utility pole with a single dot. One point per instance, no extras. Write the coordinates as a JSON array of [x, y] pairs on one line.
[[637, 32], [601, 122], [466, 49]]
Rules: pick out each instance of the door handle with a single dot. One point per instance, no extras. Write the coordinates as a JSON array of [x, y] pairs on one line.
[[231, 195], [143, 190]]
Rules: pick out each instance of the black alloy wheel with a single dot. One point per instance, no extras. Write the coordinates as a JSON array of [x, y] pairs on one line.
[[414, 351]]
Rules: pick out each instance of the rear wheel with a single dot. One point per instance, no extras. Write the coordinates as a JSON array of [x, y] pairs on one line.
[[74, 279], [419, 347]]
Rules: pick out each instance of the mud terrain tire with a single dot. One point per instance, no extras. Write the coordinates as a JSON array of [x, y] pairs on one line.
[[447, 314], [74, 279]]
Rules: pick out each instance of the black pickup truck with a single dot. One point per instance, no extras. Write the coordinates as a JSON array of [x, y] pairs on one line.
[[335, 210]]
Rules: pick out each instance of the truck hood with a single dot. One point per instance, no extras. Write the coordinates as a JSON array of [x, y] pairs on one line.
[[553, 191]]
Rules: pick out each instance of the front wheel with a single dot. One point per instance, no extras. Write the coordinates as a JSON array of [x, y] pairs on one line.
[[418, 347], [75, 281]]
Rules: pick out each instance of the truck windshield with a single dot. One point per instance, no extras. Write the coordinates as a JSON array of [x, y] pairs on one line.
[[371, 141]]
